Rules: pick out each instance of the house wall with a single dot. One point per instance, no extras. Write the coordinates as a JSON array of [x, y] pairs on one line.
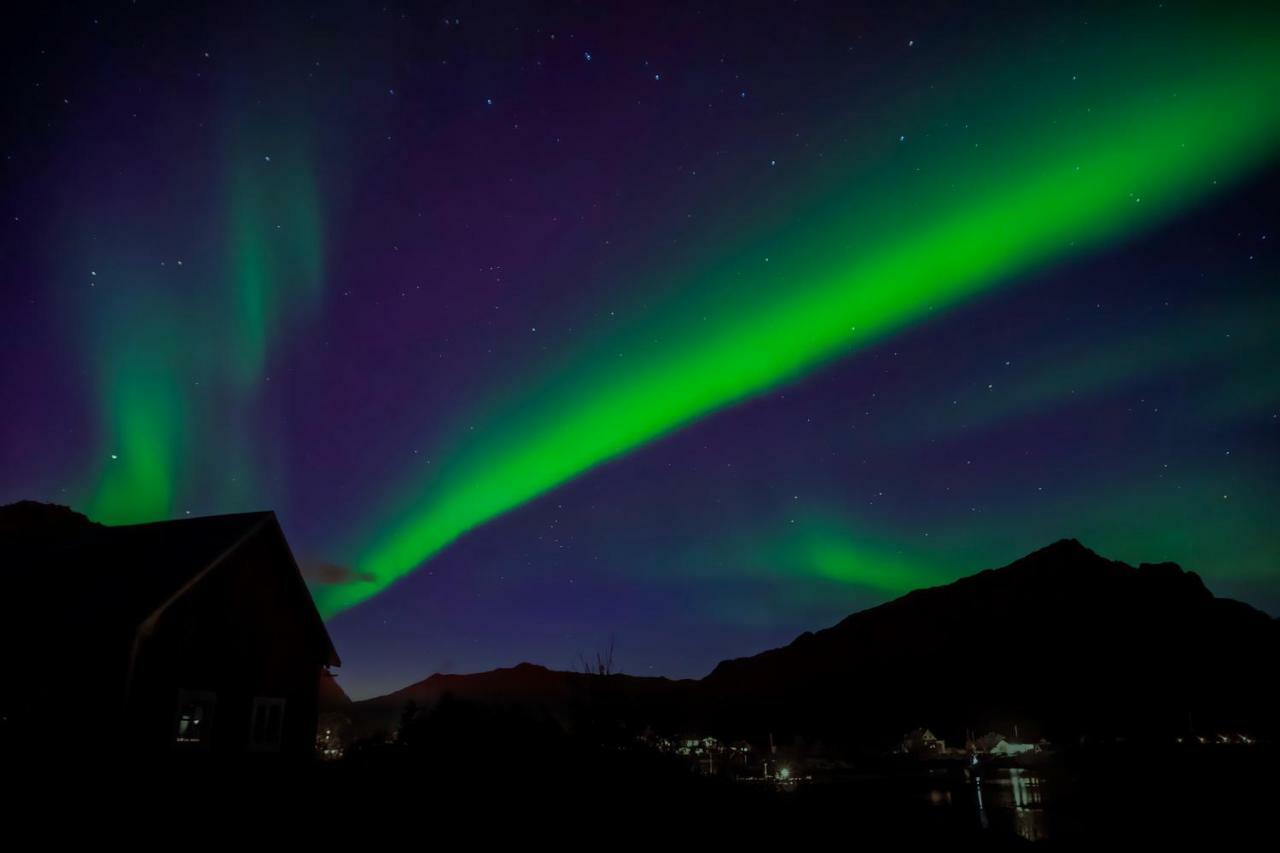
[[242, 632]]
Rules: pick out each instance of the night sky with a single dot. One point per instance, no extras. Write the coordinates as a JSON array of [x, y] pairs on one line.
[[689, 325]]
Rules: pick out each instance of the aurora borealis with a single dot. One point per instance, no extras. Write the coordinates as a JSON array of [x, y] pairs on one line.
[[697, 329]]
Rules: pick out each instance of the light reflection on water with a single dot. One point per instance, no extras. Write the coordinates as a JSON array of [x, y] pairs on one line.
[[1004, 799], [1012, 793], [1143, 793]]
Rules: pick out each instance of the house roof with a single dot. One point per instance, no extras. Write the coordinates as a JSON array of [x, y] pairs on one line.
[[124, 574]]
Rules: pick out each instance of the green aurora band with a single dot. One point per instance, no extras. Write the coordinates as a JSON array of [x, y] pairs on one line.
[[1062, 375], [175, 372], [1146, 143], [144, 405], [274, 270], [1132, 518]]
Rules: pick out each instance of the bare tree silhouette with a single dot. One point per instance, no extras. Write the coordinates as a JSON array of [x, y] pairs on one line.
[[603, 664]]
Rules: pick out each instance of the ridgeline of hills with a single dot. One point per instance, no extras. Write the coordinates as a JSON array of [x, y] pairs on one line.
[[1063, 643]]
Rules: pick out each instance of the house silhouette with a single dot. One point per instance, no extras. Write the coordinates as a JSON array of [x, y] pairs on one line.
[[195, 637]]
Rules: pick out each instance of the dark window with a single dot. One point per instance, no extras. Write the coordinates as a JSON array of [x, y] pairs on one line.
[[195, 717], [268, 723]]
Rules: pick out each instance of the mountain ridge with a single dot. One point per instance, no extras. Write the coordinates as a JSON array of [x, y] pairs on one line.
[[1063, 640]]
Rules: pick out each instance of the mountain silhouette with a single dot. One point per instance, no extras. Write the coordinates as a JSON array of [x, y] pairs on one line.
[[1062, 643]]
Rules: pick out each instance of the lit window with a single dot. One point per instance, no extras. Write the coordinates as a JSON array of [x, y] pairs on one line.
[[268, 723], [195, 717]]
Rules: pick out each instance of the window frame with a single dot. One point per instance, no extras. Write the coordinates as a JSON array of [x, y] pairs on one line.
[[265, 743]]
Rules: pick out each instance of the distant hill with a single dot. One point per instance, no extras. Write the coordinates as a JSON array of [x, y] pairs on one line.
[[536, 690], [1062, 643]]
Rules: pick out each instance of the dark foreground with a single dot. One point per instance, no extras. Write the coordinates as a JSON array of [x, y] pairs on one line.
[[1117, 793]]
